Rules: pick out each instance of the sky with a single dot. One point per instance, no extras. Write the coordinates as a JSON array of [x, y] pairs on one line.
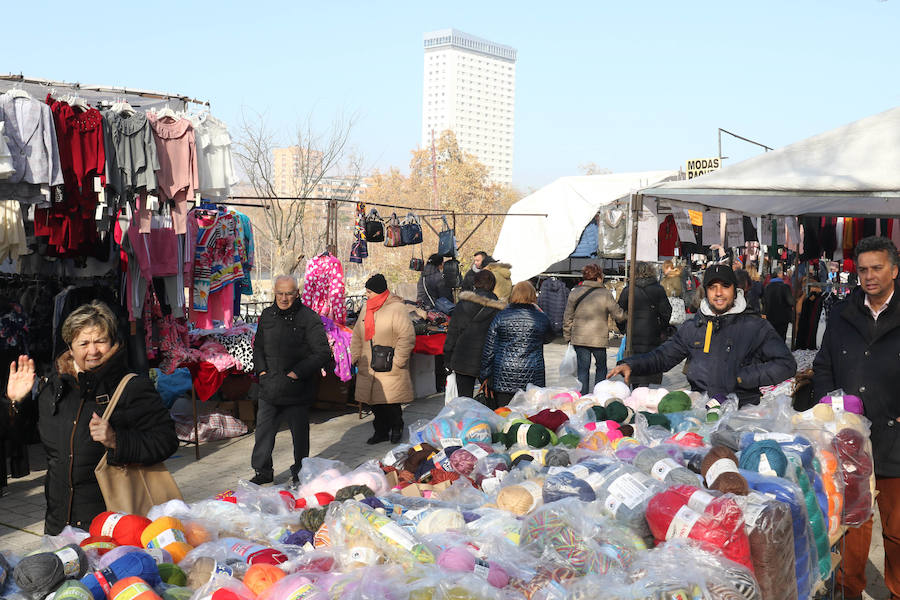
[[629, 86]]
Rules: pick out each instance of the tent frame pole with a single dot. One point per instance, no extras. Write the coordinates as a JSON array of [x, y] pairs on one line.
[[637, 205]]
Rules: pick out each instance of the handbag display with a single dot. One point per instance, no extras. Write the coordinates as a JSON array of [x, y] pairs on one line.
[[359, 251], [133, 489], [374, 227], [393, 234], [382, 358], [411, 230], [446, 240]]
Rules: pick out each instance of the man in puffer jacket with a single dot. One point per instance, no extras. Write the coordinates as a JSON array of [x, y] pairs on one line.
[[731, 349], [552, 300]]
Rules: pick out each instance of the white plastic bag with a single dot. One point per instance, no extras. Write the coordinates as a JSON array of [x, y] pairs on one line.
[[569, 365], [450, 391]]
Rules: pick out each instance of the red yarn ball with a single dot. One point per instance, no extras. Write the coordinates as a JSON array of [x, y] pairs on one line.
[[125, 529], [319, 499]]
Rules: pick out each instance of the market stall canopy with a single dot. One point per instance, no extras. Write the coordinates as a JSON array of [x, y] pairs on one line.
[[532, 244], [848, 171]]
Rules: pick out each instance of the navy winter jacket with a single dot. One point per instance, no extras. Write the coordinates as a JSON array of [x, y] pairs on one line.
[[513, 354], [552, 300], [744, 353]]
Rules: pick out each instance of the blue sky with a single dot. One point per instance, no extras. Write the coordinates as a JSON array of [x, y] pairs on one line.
[[627, 85]]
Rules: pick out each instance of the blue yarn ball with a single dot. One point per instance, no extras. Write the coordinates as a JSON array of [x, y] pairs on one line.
[[771, 450], [133, 564]]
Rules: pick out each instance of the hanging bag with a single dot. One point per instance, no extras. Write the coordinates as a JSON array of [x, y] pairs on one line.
[[133, 489], [374, 226], [446, 240], [411, 230], [417, 264], [393, 235]]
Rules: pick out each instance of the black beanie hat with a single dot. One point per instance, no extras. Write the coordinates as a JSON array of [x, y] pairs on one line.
[[377, 283]]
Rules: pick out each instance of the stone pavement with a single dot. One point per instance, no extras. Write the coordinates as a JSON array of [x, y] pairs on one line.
[[336, 436]]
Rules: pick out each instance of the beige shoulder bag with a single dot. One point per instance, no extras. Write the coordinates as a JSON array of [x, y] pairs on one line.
[[133, 489]]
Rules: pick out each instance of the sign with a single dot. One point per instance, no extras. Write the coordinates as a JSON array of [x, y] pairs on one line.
[[712, 228], [734, 230], [696, 167], [683, 223]]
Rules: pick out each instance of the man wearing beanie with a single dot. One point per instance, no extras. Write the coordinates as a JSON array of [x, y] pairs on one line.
[[730, 348], [382, 344], [289, 350], [859, 355]]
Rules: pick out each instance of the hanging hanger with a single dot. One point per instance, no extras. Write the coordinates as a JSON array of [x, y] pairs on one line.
[[166, 112], [17, 92], [79, 102]]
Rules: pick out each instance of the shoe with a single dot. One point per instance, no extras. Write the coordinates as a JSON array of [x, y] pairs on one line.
[[396, 436], [260, 479], [295, 479], [377, 439]]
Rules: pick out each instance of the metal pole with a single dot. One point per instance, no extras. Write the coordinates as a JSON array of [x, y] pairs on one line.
[[637, 204]]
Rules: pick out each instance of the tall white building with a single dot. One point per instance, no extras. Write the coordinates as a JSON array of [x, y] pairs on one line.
[[470, 88]]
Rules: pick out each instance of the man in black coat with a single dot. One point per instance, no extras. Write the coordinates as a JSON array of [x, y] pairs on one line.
[[480, 261], [731, 349], [289, 350], [778, 303], [859, 355]]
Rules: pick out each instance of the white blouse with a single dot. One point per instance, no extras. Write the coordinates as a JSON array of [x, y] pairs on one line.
[[214, 159]]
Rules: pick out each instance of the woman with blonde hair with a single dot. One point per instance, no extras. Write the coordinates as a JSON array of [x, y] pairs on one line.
[[513, 354]]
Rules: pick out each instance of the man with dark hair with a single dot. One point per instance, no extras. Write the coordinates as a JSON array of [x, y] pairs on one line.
[[731, 349], [859, 356], [745, 283], [778, 303], [481, 260]]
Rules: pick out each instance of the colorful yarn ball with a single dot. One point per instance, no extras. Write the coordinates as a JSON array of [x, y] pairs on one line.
[[99, 544], [322, 538], [260, 577], [474, 430], [72, 590], [132, 588], [125, 529], [317, 500], [673, 402], [687, 438], [172, 574], [463, 461], [312, 518], [167, 533], [594, 441], [765, 457], [133, 564], [460, 560]]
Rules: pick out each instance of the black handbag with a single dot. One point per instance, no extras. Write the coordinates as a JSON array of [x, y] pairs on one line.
[[374, 226], [485, 396], [382, 358], [411, 230], [446, 241], [359, 251], [417, 264]]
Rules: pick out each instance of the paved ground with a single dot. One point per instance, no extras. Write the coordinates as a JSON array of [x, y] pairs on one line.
[[336, 436]]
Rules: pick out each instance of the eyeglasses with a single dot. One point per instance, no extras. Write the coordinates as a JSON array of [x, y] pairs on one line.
[[285, 294]]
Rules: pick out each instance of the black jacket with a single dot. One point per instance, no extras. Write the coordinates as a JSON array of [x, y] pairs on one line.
[[744, 353], [552, 299], [753, 296], [778, 302], [651, 313], [468, 329], [513, 354], [432, 280], [145, 434], [860, 355], [291, 340], [468, 283]]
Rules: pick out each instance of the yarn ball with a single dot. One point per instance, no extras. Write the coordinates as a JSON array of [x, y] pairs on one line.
[[460, 560], [373, 502], [528, 434], [132, 588], [570, 440], [353, 492], [557, 457], [301, 537], [172, 574], [596, 413], [99, 544], [39, 574], [203, 569], [594, 441], [71, 590], [464, 460], [472, 429], [654, 419], [611, 389], [720, 471], [550, 418], [322, 539], [439, 429], [177, 593], [440, 520], [765, 457], [125, 529], [312, 518], [253, 553], [856, 471], [676, 401], [686, 438], [317, 500], [167, 533], [159, 556], [503, 411], [846, 403], [618, 412], [713, 410], [520, 499], [417, 455], [133, 564], [528, 456], [657, 463], [260, 577]]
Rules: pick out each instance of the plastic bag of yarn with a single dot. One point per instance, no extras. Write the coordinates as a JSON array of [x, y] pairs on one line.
[[133, 564], [550, 418], [459, 559], [385, 582], [843, 402], [522, 432], [549, 582], [396, 543], [661, 465], [624, 494], [520, 497], [719, 469], [222, 586], [606, 389], [464, 460], [582, 481], [767, 523], [40, 573], [459, 422], [854, 451], [805, 550], [710, 573]]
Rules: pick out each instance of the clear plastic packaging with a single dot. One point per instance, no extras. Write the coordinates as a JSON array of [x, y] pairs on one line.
[[461, 421], [767, 523]]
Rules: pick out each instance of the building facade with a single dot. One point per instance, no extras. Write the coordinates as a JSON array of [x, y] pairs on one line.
[[469, 88], [291, 169]]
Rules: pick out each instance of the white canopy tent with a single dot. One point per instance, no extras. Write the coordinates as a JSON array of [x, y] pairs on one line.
[[531, 244], [853, 170]]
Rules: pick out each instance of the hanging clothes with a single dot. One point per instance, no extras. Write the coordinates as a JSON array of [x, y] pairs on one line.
[[13, 243], [612, 233], [668, 236], [323, 287], [552, 300], [136, 160], [215, 166], [808, 322], [31, 137], [6, 160], [216, 263], [177, 176]]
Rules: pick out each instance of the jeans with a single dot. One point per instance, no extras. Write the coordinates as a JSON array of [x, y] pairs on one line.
[[268, 419], [583, 355]]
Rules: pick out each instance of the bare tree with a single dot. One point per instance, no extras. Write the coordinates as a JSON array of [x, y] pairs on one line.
[[593, 169], [319, 164]]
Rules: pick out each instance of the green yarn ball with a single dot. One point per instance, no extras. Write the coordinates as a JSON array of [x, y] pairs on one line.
[[177, 593], [570, 440], [655, 419], [618, 412], [172, 574], [352, 491], [533, 435], [311, 519], [597, 413], [673, 402]]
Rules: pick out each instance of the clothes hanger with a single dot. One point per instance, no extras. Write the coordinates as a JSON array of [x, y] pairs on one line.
[[166, 112], [17, 92], [79, 102]]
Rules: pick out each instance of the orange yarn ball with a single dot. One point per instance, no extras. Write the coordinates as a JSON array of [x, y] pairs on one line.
[[132, 588], [167, 533], [322, 537], [595, 441], [260, 577], [196, 534]]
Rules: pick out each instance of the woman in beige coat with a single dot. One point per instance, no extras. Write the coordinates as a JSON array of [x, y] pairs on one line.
[[384, 321]]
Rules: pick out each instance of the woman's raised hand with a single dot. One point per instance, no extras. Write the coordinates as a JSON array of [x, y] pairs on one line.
[[21, 379]]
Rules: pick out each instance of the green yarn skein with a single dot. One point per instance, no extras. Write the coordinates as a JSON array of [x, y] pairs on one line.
[[676, 401], [655, 419], [532, 435]]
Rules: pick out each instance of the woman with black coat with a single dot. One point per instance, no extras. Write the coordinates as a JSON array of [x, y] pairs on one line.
[[431, 284], [468, 329], [651, 313], [513, 354], [70, 405]]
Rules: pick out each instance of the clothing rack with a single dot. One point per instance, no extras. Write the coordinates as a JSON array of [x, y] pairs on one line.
[[101, 89], [440, 212]]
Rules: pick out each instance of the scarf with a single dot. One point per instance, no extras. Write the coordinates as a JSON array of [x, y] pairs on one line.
[[372, 305]]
